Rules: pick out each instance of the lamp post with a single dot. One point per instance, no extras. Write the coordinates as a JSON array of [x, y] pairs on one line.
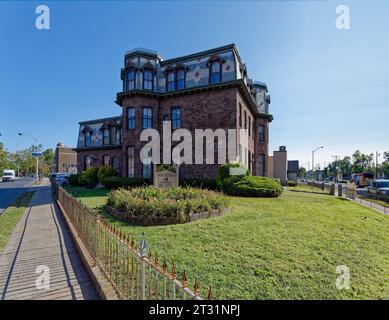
[[36, 150], [376, 164], [313, 158]]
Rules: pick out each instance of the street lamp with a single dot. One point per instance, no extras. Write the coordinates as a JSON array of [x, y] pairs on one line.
[[313, 157], [36, 149]]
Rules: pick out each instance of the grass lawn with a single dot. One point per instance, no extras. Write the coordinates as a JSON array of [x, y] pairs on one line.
[[276, 248], [11, 216]]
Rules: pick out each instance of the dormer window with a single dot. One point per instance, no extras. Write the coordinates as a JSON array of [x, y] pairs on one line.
[[215, 72], [105, 137], [170, 84], [148, 79], [112, 135], [87, 139], [180, 76], [130, 80]]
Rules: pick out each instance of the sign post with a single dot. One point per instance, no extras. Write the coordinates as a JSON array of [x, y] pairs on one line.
[[165, 176]]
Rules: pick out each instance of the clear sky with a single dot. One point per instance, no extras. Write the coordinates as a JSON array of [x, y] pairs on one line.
[[329, 87]]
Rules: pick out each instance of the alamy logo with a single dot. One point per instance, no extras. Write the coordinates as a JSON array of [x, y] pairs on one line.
[[42, 282], [182, 152], [42, 22], [343, 19], [343, 281]]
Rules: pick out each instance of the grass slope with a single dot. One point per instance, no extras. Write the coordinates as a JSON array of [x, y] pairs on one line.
[[11, 216], [277, 248]]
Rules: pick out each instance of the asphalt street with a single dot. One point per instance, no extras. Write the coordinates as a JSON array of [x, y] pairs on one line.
[[10, 191]]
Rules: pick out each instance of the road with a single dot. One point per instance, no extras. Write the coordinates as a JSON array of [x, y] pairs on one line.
[[9, 191]]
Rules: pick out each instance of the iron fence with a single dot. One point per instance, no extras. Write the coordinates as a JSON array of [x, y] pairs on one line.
[[134, 273], [380, 201]]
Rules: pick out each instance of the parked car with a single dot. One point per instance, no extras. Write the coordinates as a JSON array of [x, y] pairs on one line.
[[8, 175], [62, 179], [378, 187], [52, 177]]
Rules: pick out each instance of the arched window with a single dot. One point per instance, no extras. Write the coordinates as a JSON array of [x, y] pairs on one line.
[[87, 139], [106, 160], [112, 135], [170, 82], [147, 79], [87, 162], [180, 76], [215, 75], [130, 80], [105, 136], [118, 137], [115, 164]]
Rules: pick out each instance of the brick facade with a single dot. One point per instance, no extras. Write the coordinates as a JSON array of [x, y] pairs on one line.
[[232, 103]]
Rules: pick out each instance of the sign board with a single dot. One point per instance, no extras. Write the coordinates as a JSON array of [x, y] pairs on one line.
[[165, 177], [36, 154]]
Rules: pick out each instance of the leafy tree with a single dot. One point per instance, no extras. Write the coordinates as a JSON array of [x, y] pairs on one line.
[[362, 162], [302, 172]]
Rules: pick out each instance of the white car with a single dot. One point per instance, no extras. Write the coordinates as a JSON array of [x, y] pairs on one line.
[[8, 175]]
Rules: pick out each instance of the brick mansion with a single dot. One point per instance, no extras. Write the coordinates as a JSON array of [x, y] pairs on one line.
[[204, 90]]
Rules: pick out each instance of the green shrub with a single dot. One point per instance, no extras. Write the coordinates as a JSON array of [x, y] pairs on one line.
[[73, 180], [174, 202], [253, 186], [224, 173], [118, 182], [292, 183], [105, 171], [89, 177], [199, 183]]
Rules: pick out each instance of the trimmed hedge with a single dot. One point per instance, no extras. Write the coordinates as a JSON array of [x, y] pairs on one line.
[[292, 183], [199, 183], [105, 171], [89, 177], [122, 182], [73, 180], [223, 176], [253, 186]]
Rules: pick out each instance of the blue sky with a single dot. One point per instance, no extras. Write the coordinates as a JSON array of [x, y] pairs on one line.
[[328, 87]]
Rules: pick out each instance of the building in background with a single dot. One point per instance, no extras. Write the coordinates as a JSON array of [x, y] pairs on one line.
[[293, 169], [280, 165], [65, 159], [204, 90]]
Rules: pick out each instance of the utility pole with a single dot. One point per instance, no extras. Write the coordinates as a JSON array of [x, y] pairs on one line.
[[336, 167]]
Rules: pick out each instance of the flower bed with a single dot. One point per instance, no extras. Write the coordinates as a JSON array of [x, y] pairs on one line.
[[150, 206]]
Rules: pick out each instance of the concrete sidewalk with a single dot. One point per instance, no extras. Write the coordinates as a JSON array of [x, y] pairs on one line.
[[42, 239]]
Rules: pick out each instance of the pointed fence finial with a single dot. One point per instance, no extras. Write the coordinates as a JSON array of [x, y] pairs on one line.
[[210, 295], [173, 270], [156, 260], [196, 288], [183, 280], [143, 246], [164, 266], [132, 242]]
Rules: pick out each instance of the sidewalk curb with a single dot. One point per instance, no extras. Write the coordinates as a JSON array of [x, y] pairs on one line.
[[103, 286]]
